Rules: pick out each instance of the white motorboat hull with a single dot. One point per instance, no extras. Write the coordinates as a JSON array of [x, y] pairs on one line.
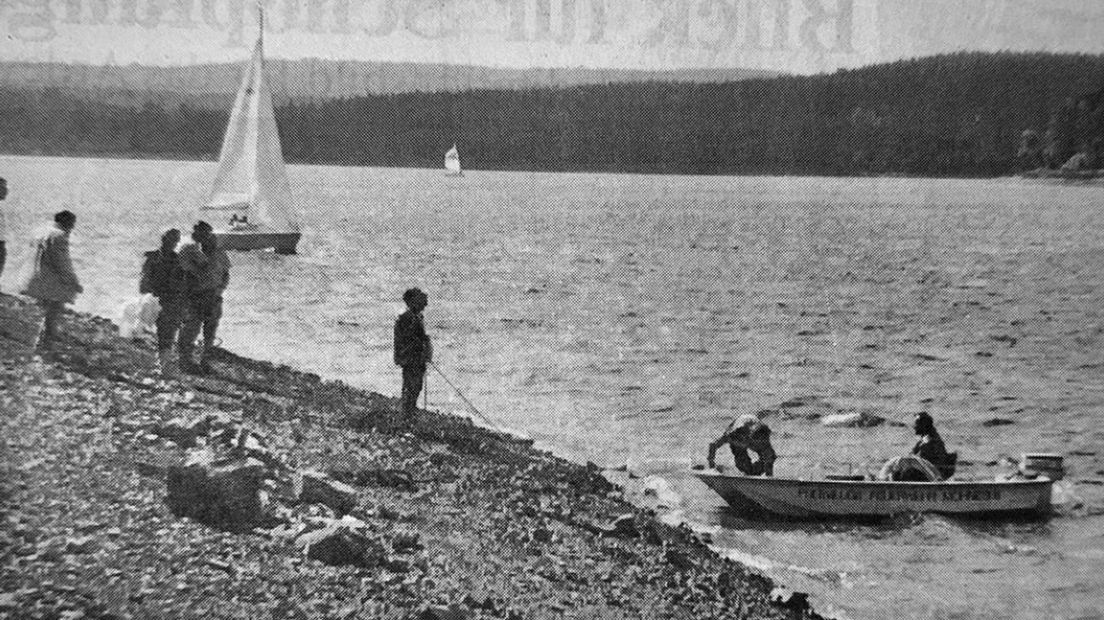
[[828, 499]]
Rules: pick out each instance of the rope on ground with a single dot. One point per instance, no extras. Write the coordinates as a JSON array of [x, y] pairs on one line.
[[459, 393], [349, 338]]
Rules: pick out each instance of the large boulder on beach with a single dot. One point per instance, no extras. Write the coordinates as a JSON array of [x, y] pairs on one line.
[[343, 542], [223, 495], [453, 611], [623, 526], [312, 487]]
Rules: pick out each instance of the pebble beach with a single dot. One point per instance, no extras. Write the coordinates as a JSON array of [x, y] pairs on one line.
[[348, 516]]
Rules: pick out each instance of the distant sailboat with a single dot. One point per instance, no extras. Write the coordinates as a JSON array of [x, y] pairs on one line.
[[251, 193], [452, 163]]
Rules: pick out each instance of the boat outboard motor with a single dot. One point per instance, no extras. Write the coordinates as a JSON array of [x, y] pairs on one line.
[[1041, 464]]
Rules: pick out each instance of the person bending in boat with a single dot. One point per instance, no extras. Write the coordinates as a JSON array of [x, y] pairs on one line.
[[743, 435]]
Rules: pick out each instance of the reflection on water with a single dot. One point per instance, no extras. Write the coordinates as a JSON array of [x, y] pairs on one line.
[[624, 319]]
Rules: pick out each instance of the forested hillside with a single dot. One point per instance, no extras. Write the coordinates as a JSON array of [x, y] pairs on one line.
[[214, 85], [957, 115]]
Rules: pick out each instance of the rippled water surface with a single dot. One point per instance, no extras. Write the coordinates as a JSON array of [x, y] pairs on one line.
[[624, 319]]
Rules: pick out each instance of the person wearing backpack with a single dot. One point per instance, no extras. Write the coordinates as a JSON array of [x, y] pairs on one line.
[[163, 278]]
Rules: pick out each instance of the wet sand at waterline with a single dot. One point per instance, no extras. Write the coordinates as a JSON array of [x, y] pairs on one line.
[[624, 319]]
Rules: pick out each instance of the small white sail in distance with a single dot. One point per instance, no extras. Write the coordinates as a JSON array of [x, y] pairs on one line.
[[452, 161], [251, 180]]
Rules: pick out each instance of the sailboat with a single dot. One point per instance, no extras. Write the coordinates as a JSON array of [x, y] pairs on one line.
[[250, 205], [452, 163]]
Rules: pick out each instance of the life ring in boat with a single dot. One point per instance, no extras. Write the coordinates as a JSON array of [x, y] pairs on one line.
[[910, 468]]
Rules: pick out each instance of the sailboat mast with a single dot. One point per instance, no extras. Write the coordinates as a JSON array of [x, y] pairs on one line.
[[260, 23]]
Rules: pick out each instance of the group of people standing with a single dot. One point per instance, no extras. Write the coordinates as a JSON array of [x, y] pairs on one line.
[[189, 283]]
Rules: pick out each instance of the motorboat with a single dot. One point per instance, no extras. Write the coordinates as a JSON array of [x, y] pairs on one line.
[[854, 498]]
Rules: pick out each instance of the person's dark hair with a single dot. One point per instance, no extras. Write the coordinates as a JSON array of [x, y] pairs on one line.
[[411, 294], [65, 219], [168, 234], [761, 431], [202, 226], [924, 423]]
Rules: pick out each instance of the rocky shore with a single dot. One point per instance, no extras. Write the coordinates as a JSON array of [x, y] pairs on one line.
[[264, 492]]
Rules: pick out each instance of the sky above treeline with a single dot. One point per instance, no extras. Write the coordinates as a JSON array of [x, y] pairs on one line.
[[797, 36]]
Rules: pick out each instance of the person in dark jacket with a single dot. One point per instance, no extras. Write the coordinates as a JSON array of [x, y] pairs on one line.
[[163, 278], [206, 276], [3, 227], [743, 435], [413, 350], [930, 446]]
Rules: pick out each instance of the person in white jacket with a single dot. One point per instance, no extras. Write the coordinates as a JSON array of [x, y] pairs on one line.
[[52, 280]]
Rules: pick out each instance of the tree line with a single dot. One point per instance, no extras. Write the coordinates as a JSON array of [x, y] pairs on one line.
[[967, 114], [1072, 139]]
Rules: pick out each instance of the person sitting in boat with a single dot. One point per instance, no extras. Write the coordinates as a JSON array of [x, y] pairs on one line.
[[239, 222], [930, 446], [743, 435], [929, 461]]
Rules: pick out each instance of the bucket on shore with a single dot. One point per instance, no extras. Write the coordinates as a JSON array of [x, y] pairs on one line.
[[1042, 464]]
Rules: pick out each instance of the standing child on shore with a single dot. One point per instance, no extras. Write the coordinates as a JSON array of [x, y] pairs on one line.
[[52, 280], [206, 274], [163, 278], [413, 350]]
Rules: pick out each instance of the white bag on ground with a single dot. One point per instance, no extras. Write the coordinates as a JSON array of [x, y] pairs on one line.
[[138, 315]]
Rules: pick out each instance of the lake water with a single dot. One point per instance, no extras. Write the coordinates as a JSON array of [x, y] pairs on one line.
[[625, 319]]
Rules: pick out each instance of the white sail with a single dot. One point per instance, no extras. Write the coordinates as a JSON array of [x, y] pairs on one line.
[[452, 161], [251, 184]]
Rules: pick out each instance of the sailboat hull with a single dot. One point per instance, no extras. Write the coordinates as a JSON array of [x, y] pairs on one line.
[[282, 243]]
